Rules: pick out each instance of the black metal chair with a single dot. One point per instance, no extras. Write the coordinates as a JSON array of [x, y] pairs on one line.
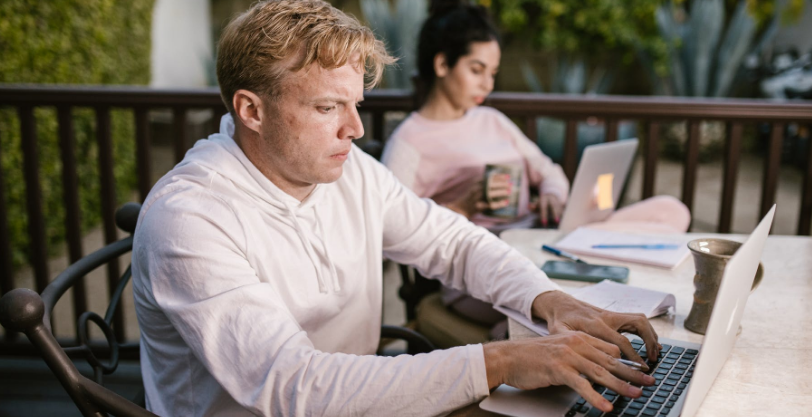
[[25, 311]]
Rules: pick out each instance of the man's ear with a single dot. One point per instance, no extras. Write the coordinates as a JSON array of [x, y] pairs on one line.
[[440, 65], [249, 109]]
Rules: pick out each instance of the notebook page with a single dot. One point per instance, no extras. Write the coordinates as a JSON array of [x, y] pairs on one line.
[[581, 240], [620, 298]]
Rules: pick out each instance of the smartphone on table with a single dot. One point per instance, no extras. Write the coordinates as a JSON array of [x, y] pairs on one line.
[[578, 271]]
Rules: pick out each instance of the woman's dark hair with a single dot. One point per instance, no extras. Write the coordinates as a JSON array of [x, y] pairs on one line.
[[452, 26]]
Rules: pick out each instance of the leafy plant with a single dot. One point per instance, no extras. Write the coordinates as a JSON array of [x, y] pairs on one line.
[[399, 29], [705, 48], [595, 33], [69, 42]]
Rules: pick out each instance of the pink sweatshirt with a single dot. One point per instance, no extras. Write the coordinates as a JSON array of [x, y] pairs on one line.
[[441, 159]]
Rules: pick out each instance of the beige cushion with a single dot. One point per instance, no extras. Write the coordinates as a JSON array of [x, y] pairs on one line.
[[445, 328]]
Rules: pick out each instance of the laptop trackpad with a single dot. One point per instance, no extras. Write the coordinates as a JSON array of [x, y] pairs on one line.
[[550, 401]]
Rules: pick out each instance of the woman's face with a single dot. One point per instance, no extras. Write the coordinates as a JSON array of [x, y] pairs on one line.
[[471, 79]]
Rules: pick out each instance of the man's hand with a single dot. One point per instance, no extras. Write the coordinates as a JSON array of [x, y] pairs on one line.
[[564, 313], [563, 359]]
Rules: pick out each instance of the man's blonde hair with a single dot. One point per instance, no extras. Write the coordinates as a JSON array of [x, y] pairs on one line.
[[254, 47]]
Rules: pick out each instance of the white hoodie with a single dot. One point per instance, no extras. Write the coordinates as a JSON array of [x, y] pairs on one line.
[[253, 303]]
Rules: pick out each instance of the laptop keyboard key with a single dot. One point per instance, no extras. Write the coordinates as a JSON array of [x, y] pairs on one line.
[[594, 412]]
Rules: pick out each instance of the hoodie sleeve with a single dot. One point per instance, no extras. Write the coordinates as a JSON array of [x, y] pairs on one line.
[[443, 245], [190, 261]]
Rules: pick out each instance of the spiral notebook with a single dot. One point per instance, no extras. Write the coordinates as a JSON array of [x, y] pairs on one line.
[[581, 240]]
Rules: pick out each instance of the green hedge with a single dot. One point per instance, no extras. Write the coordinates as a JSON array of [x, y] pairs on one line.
[[69, 42]]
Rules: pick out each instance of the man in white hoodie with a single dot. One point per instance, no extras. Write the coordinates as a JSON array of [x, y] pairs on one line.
[[257, 259]]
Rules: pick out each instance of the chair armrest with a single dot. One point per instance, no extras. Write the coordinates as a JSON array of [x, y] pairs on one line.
[[416, 342], [23, 310]]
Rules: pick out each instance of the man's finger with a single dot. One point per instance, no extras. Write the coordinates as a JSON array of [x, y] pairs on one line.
[[582, 386], [605, 347], [617, 339], [639, 325], [617, 368]]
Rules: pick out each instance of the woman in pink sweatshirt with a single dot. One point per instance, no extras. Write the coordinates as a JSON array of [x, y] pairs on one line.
[[441, 150]]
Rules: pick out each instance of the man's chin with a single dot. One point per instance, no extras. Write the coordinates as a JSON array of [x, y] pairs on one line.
[[331, 175]]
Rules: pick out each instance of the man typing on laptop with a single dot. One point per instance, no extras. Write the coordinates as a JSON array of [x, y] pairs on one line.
[[257, 259]]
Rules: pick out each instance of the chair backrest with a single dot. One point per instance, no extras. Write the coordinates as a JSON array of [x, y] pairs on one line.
[[25, 311]]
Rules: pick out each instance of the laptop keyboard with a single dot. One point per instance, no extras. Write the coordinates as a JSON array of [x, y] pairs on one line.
[[672, 373]]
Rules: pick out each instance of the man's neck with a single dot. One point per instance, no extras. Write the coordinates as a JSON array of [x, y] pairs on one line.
[[257, 157]]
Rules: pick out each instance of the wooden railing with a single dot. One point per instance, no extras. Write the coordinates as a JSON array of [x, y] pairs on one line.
[[652, 111]]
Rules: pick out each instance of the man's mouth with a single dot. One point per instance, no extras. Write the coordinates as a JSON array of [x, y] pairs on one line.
[[341, 156]]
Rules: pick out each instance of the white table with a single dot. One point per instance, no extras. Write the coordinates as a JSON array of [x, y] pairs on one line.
[[769, 372]]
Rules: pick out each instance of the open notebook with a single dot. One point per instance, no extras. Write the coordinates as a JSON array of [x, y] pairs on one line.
[[581, 240], [608, 295]]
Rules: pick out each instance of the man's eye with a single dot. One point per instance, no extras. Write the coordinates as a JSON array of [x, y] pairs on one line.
[[326, 109]]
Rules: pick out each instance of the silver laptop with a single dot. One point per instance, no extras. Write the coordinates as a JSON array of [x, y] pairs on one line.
[[685, 371], [603, 170]]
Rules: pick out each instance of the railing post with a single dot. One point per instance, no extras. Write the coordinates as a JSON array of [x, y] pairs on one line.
[[772, 164], [650, 163], [6, 269], [571, 149], [142, 149], [378, 124], [731, 171], [70, 196], [179, 132], [530, 128], [611, 130], [36, 222], [805, 217], [691, 164], [108, 204]]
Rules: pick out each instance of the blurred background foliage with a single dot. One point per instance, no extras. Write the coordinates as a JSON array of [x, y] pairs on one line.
[[69, 42]]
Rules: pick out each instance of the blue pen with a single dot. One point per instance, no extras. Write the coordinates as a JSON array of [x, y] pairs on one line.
[[654, 246], [561, 253]]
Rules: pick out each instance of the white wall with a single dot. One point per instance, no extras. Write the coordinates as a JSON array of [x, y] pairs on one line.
[[182, 48]]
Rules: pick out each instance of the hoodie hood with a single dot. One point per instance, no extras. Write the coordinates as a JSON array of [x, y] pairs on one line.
[[221, 155]]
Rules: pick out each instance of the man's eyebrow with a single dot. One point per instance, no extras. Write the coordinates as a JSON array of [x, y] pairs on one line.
[[333, 99]]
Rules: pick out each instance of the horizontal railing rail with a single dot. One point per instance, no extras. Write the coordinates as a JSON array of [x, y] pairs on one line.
[[652, 112]]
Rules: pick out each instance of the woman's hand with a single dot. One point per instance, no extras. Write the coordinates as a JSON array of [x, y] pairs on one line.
[[549, 208], [473, 200]]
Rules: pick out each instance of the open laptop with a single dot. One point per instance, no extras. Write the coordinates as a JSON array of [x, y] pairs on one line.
[[684, 372], [598, 182]]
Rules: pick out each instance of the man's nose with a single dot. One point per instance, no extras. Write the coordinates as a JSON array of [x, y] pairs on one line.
[[352, 128]]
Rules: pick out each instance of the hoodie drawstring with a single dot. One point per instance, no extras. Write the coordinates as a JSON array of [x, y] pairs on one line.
[[308, 245], [336, 285]]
